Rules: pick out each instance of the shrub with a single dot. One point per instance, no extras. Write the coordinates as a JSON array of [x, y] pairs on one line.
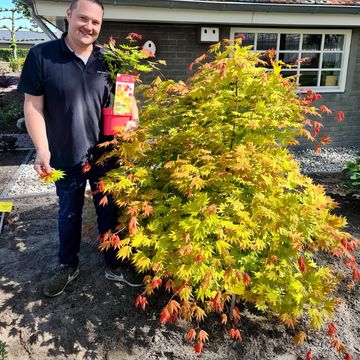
[[10, 113], [216, 208], [17, 64], [7, 54]]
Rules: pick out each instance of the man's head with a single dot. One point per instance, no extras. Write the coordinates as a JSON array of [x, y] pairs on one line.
[[85, 19]]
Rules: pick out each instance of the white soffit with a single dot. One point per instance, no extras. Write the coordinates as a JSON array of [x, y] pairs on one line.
[[165, 15]]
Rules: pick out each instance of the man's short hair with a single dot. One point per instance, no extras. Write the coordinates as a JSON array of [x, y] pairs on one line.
[[73, 4]]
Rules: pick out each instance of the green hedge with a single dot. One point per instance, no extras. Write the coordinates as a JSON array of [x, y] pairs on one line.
[[6, 54]]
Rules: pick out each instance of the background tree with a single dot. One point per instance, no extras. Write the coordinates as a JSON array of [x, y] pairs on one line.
[[13, 16]]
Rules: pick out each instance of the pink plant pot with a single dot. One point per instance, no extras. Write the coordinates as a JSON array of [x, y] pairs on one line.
[[112, 121]]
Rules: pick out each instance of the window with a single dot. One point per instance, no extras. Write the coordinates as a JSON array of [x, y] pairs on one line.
[[319, 57]]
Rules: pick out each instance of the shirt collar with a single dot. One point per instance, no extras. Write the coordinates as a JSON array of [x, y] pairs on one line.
[[96, 46]]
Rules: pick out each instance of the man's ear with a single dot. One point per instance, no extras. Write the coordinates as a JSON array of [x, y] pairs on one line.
[[68, 14]]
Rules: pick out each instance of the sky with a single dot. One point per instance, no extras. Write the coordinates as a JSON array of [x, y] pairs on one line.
[[7, 4]]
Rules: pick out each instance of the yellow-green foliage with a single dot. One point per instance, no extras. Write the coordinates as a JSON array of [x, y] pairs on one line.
[[214, 202]]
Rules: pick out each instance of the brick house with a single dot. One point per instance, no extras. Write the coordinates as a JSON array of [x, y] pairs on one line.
[[327, 32]]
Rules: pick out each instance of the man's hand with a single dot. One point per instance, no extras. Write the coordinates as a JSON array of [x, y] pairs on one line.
[[35, 124], [131, 125], [42, 162]]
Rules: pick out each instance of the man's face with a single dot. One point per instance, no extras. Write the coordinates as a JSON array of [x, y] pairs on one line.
[[84, 22]]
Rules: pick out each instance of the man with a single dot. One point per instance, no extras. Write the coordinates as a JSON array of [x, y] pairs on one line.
[[66, 85]]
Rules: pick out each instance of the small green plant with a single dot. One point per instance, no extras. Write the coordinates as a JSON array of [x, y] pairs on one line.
[[17, 64], [128, 58], [353, 169], [2, 350], [10, 113]]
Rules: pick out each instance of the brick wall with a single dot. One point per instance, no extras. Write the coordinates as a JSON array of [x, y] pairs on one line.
[[178, 44]]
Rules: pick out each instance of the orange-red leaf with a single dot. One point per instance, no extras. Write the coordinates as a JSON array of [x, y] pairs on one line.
[[332, 329], [224, 319], [309, 355], [86, 168], [198, 347], [103, 201], [132, 225], [203, 336], [347, 356], [164, 316], [340, 116], [302, 265], [191, 334]]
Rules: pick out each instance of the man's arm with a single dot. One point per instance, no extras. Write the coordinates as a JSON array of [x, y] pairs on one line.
[[35, 124], [134, 122]]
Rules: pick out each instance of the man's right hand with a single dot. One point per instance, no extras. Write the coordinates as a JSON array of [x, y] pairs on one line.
[[42, 162]]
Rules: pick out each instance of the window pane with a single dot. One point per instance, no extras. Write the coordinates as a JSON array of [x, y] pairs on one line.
[[310, 60], [286, 73], [248, 38], [308, 78], [289, 41], [331, 60], [266, 41], [289, 58], [334, 42], [311, 42], [330, 78]]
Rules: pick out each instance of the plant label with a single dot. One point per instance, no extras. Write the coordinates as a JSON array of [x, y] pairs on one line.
[[124, 93]]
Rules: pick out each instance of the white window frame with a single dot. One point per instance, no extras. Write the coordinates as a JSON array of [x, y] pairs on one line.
[[344, 59]]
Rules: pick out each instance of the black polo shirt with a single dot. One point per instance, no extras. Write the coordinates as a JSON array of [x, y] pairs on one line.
[[74, 94]]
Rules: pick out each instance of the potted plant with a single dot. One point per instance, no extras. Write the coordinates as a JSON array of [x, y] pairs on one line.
[[125, 63]]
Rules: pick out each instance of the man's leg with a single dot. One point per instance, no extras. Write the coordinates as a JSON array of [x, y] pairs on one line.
[[106, 215], [70, 191]]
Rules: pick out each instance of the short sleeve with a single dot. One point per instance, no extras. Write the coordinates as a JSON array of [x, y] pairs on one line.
[[31, 75]]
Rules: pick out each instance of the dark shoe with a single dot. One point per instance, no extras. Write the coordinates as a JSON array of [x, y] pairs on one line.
[[124, 274], [63, 276]]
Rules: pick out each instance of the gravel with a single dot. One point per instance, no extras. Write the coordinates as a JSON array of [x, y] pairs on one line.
[[328, 160]]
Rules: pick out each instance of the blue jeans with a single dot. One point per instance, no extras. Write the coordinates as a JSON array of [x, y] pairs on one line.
[[71, 191]]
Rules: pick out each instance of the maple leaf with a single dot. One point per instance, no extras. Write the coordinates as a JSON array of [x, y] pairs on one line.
[[356, 273], [164, 316], [156, 282], [236, 314], [332, 329], [199, 313], [198, 258], [51, 177], [300, 337], [325, 139], [224, 319], [288, 320], [103, 201], [309, 355], [169, 285], [347, 356], [115, 241], [325, 109], [203, 336], [198, 347], [132, 225], [191, 334], [173, 306], [302, 264], [340, 116], [246, 279], [86, 168]]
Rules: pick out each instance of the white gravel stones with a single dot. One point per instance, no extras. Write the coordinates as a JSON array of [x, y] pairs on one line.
[[28, 182], [327, 160]]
